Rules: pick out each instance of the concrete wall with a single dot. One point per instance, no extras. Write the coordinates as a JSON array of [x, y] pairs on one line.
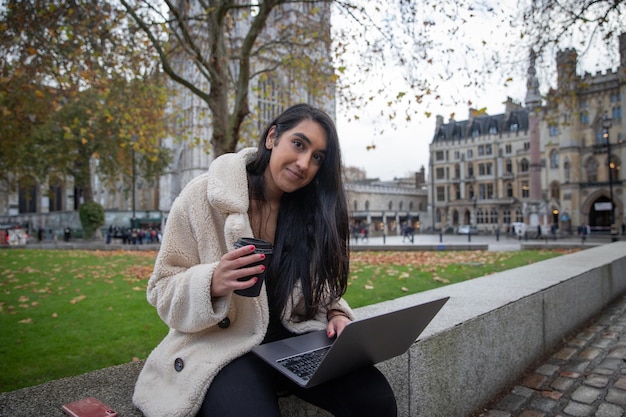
[[493, 328], [490, 331]]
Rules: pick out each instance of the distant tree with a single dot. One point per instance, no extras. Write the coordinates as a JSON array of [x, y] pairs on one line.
[[354, 173], [91, 217], [586, 25], [78, 89]]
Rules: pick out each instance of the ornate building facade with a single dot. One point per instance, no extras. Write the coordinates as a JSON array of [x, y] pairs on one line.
[[552, 165], [385, 207]]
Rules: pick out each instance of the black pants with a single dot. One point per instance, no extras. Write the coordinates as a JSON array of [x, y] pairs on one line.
[[248, 387]]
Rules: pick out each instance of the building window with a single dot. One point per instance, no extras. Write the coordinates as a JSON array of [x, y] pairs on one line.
[[584, 118], [470, 154], [479, 216], [506, 216], [481, 150], [567, 171], [470, 170], [526, 146], [519, 216], [508, 149], [525, 189], [592, 170], [457, 171], [617, 113], [470, 193], [367, 205], [439, 156], [55, 194], [457, 192], [488, 149], [555, 191], [485, 169], [509, 166], [554, 159], [554, 130], [440, 173], [390, 205], [482, 191], [494, 215], [269, 99], [27, 197], [441, 193], [356, 205], [489, 190], [524, 165], [509, 190]]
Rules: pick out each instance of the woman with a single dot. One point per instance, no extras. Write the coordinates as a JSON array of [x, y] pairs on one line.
[[289, 192]]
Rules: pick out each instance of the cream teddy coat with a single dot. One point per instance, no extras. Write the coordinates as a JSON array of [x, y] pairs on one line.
[[206, 333]]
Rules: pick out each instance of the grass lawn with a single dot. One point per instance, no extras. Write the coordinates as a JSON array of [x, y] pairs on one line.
[[64, 313]]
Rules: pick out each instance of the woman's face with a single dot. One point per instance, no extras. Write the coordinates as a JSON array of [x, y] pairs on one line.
[[296, 157]]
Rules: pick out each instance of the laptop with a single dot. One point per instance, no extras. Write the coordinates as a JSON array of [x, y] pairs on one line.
[[312, 358]]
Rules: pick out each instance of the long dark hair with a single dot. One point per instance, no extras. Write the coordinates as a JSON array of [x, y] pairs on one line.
[[312, 231]]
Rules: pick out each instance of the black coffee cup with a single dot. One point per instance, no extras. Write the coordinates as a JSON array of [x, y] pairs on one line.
[[261, 246]]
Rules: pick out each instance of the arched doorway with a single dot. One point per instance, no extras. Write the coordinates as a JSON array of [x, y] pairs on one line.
[[467, 217], [555, 216], [455, 218], [600, 214]]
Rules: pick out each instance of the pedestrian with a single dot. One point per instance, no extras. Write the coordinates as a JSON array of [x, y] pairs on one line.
[[584, 231], [288, 191]]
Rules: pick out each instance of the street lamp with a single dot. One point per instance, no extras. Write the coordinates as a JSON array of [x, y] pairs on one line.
[[134, 140], [469, 232], [606, 125]]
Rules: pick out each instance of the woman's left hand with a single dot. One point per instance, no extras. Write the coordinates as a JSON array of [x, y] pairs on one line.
[[336, 324]]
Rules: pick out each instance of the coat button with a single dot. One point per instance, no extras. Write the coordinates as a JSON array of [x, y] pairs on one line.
[[224, 324], [179, 364]]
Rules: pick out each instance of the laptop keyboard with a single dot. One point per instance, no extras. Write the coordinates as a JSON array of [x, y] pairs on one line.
[[304, 364]]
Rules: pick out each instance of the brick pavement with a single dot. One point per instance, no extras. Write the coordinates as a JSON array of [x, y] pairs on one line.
[[585, 377]]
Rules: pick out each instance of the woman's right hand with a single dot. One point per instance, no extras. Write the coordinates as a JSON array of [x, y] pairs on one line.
[[233, 266]]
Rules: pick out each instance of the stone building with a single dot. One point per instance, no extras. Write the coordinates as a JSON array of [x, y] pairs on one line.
[[385, 207], [551, 164], [54, 208]]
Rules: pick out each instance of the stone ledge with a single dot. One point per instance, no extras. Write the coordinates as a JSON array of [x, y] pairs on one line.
[[483, 339]]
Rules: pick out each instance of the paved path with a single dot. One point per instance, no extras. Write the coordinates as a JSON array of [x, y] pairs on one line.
[[585, 377]]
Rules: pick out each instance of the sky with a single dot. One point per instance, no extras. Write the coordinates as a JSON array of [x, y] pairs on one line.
[[403, 151]]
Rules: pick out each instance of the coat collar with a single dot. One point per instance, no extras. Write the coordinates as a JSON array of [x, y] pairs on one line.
[[227, 187]]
